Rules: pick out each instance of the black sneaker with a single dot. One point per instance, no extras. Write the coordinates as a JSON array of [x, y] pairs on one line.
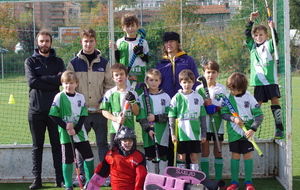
[[278, 134], [222, 184], [36, 184]]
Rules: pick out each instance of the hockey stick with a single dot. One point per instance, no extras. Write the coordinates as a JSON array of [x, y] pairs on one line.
[[235, 114], [204, 82], [147, 99], [272, 32], [76, 163], [175, 143], [140, 43], [127, 104]]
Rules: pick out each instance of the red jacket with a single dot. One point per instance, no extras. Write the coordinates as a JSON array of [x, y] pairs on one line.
[[126, 173]]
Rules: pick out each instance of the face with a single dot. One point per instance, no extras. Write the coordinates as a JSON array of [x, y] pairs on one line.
[[119, 76], [70, 86], [234, 92], [153, 82], [44, 44], [127, 144], [187, 85], [260, 36], [210, 75], [130, 30], [88, 45], [171, 46]]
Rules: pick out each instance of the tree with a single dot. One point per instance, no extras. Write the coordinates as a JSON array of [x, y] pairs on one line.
[[7, 23]]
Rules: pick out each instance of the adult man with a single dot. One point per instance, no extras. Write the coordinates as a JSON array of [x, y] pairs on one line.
[[43, 71], [95, 79], [174, 61]]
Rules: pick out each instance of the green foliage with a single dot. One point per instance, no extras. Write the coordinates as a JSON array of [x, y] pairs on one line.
[[294, 14]]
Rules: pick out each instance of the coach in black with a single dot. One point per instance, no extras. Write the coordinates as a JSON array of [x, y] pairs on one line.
[[43, 71]]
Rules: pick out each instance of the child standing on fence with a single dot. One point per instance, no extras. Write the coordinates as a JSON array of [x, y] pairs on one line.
[[115, 99], [126, 46], [250, 116], [69, 111], [187, 106], [210, 71], [159, 104], [263, 73]]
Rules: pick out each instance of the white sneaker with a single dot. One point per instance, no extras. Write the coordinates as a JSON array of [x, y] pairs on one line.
[[76, 182]]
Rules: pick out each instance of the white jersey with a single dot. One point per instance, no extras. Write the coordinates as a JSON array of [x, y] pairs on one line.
[[213, 92]]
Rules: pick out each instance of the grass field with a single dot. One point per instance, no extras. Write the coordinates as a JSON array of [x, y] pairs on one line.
[[18, 111]]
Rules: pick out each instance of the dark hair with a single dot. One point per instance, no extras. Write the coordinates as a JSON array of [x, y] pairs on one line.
[[43, 32], [118, 66], [129, 19], [213, 65], [186, 74], [260, 27], [88, 33], [153, 71], [68, 76], [237, 81]]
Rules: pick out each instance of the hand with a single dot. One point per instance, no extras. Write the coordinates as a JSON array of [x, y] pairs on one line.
[[174, 139], [238, 121], [130, 97], [151, 117], [253, 16], [113, 44], [138, 50], [211, 109], [120, 119], [249, 133], [207, 102], [271, 24], [151, 134], [203, 139]]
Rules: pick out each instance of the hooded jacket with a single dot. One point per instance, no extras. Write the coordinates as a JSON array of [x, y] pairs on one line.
[[43, 80]]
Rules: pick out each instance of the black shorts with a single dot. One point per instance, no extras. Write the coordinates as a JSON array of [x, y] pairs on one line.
[[267, 92], [189, 147], [84, 148], [211, 137], [150, 151], [241, 146]]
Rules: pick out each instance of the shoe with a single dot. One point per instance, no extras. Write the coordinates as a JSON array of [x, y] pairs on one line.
[[278, 134], [107, 182], [36, 184], [222, 184], [249, 186], [76, 182], [233, 186], [59, 184], [69, 188]]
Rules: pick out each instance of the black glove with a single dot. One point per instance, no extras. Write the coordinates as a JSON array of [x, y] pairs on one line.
[[130, 97], [138, 50]]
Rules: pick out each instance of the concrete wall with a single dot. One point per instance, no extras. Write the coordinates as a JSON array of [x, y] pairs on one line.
[[16, 163]]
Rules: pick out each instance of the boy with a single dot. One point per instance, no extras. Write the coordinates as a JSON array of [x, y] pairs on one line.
[[264, 70], [187, 106], [128, 45], [159, 102], [115, 99], [125, 164], [210, 71], [251, 116], [69, 112]]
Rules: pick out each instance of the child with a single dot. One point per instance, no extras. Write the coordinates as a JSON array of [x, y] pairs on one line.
[[187, 106], [128, 45], [115, 99], [69, 111], [251, 116], [159, 102], [210, 71], [125, 164], [264, 70]]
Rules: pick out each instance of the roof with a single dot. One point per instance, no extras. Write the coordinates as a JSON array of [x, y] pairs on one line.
[[212, 9]]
